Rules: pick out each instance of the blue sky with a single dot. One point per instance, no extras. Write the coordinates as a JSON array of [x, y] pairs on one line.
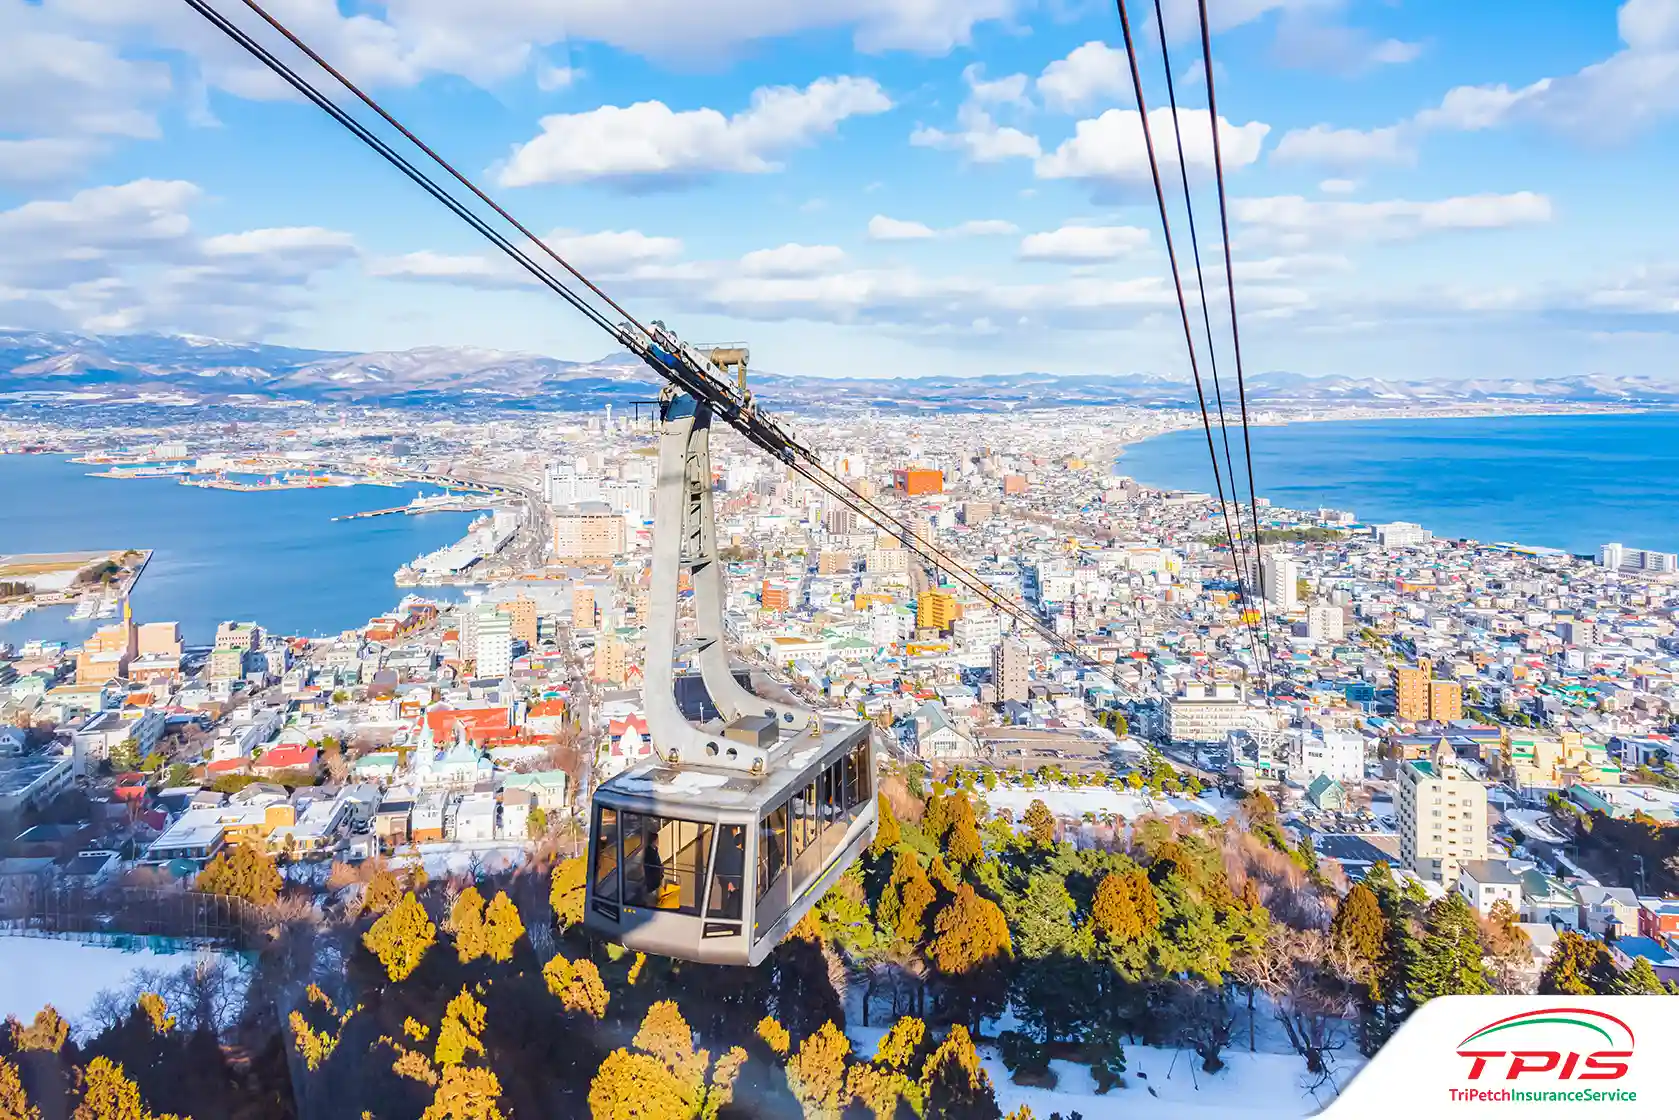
[[875, 187]]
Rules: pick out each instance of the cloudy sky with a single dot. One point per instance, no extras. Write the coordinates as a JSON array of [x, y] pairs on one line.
[[877, 187]]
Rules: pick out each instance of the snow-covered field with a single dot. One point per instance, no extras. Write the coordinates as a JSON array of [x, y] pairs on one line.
[[1263, 1086], [456, 857], [36, 971], [1074, 803]]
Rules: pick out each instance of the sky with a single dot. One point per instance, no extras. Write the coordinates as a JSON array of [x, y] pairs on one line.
[[871, 187]]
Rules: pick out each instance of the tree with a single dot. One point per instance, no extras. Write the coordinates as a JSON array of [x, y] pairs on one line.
[[383, 890], [108, 1094], [502, 928], [536, 823], [1639, 980], [664, 1077], [1448, 961], [956, 1087], [1360, 933], [566, 891], [886, 833], [466, 922], [962, 841], [775, 1036], [125, 756], [47, 1032], [816, 1074], [466, 1093], [459, 1033], [1114, 911], [577, 985], [156, 1011], [1040, 824], [242, 872], [14, 1102], [401, 937], [903, 905], [1578, 966]]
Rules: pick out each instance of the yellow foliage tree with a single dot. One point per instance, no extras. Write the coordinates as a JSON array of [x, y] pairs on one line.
[[401, 937], [898, 1046], [566, 891], [14, 1102], [664, 1076], [816, 1074], [968, 933], [775, 1036], [242, 872], [47, 1032], [466, 922], [502, 928], [463, 1022], [108, 1094], [157, 1011], [577, 985], [466, 1093], [317, 1046], [383, 890]]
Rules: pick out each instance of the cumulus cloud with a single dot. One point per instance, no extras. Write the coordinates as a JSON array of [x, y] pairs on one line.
[[1343, 149], [1091, 73], [1294, 222], [1083, 244], [650, 140], [126, 257], [605, 253], [979, 138], [1110, 148], [793, 260]]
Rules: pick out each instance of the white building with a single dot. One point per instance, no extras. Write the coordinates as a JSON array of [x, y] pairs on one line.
[[1335, 754], [1487, 882], [471, 817], [1401, 534], [1442, 813], [1206, 714], [1619, 558], [1326, 623], [1281, 576], [493, 642]]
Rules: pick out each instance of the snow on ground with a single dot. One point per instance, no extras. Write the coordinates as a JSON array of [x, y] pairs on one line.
[[1130, 804], [456, 857], [1252, 1086], [35, 971]]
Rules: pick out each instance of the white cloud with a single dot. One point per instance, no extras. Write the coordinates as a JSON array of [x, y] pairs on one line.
[[792, 260], [125, 257], [1344, 149], [552, 79], [1091, 73], [882, 228], [45, 159], [612, 250], [1003, 91], [981, 139], [1111, 147], [1392, 52], [1338, 186], [649, 139], [1293, 221], [1083, 244]]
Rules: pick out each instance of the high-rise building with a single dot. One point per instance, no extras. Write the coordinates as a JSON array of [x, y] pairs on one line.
[[936, 610], [832, 562], [1281, 575], [582, 608], [1577, 632], [160, 639], [1206, 713], [493, 655], [521, 613], [1010, 671], [775, 595], [1014, 484], [1420, 695], [1326, 623], [977, 513], [911, 481], [107, 651], [1401, 534], [611, 658], [1442, 813], [584, 533], [1618, 557], [887, 561]]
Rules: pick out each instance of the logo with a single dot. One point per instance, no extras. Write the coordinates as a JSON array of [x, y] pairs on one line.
[[1598, 1046]]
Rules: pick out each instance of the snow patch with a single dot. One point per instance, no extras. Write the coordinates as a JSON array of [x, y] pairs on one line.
[[70, 974]]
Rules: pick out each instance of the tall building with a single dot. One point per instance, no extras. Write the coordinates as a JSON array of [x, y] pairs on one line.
[[1326, 623], [887, 561], [583, 533], [1010, 670], [493, 654], [521, 613], [1618, 557], [1402, 534], [936, 610], [582, 608], [918, 480], [1442, 814], [977, 513], [832, 562], [160, 639], [611, 659], [1206, 713], [1421, 696], [107, 651], [1281, 574], [775, 595], [1014, 484]]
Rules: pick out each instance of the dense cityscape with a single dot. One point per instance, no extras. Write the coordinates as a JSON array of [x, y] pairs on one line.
[[1436, 735]]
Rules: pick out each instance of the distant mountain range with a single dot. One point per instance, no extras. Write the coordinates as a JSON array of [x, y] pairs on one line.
[[181, 370]]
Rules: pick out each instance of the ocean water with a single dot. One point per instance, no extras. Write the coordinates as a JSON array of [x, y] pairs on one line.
[[275, 557], [1570, 482]]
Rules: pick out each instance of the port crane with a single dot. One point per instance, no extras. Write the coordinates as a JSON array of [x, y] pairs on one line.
[[715, 849]]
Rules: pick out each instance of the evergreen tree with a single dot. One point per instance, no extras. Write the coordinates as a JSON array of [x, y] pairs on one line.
[[1040, 824], [816, 1073], [108, 1094], [903, 905], [502, 928], [14, 1102], [577, 985], [536, 823], [1578, 966], [47, 1032], [1114, 912], [1042, 921], [242, 872], [400, 938], [466, 1093], [383, 890], [886, 833], [968, 933], [1360, 932], [1448, 960], [962, 842], [466, 922], [956, 1087], [1639, 980]]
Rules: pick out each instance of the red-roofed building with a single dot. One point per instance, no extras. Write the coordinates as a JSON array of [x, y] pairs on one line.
[[479, 727], [547, 717], [630, 739], [292, 757]]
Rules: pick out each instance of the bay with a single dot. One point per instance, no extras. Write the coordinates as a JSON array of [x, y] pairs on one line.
[[1572, 482], [273, 557]]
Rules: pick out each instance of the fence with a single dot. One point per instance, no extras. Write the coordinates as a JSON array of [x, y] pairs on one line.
[[129, 917]]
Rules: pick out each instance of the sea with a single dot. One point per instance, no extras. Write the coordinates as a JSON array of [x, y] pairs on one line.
[[273, 557], [1571, 482]]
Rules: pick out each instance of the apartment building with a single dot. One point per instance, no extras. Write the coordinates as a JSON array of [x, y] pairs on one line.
[[1442, 813]]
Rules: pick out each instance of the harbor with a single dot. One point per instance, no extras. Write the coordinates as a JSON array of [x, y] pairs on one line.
[[430, 503]]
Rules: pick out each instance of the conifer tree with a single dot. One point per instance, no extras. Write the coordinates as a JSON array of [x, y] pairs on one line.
[[383, 890], [14, 1102], [458, 1034], [108, 1094], [1040, 824], [156, 1011], [664, 1076], [466, 922], [1113, 911], [242, 872], [1578, 966], [886, 833], [466, 1093], [962, 841], [816, 1073], [502, 928], [1448, 960], [955, 1085], [400, 938], [775, 1036], [1359, 931], [47, 1032], [1639, 980], [1143, 897], [968, 933]]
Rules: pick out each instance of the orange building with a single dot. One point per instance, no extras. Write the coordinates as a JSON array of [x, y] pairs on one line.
[[775, 595], [918, 480], [936, 610], [1014, 484], [522, 614]]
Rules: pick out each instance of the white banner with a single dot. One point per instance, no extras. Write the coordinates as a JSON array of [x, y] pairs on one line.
[[1520, 1056]]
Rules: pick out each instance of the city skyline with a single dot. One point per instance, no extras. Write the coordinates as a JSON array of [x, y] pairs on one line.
[[860, 190]]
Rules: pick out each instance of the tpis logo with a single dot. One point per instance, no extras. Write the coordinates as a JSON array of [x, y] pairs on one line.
[[1561, 1043]]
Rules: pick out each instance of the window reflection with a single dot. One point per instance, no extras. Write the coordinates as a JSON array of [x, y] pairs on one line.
[[729, 873], [664, 862]]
